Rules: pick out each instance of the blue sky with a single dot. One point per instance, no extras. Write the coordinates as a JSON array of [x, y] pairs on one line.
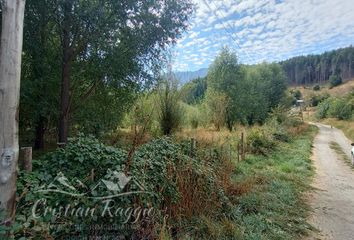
[[263, 30]]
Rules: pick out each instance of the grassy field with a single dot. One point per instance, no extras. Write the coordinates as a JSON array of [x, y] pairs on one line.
[[340, 90], [271, 205]]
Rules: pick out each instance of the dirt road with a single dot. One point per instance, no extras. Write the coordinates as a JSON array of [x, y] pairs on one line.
[[333, 202]]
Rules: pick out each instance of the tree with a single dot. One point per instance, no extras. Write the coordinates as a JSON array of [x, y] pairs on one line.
[[40, 73], [226, 76], [316, 69], [10, 73], [109, 29]]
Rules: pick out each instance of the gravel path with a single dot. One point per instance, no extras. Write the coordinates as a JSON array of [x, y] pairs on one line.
[[333, 202]]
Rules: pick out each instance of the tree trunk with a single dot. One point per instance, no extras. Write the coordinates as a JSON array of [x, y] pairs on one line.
[[40, 129], [66, 74], [10, 72]]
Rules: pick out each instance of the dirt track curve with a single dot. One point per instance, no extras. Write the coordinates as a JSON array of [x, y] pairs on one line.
[[333, 202]]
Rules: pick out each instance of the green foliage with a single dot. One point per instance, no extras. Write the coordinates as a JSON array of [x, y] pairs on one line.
[[274, 208], [340, 109], [193, 92], [296, 93], [143, 114], [163, 167], [112, 56], [322, 108], [251, 91], [216, 103], [315, 69], [193, 116], [317, 99], [170, 110], [259, 141], [316, 87], [79, 157], [335, 80]]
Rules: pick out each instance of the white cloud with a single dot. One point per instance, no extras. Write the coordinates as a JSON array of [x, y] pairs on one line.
[[268, 29]]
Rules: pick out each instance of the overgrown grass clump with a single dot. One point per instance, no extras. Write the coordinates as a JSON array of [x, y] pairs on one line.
[[273, 208]]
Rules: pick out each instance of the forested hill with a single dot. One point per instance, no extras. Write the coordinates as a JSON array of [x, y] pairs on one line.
[[316, 69]]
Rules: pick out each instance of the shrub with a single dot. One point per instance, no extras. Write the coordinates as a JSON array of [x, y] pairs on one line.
[[335, 80], [297, 94], [316, 99], [192, 117], [340, 109], [259, 141], [316, 88], [322, 108], [170, 110]]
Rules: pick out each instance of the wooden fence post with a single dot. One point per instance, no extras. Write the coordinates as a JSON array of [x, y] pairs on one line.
[[26, 159]]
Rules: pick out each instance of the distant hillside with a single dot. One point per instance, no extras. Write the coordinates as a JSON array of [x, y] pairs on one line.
[[185, 77], [316, 69]]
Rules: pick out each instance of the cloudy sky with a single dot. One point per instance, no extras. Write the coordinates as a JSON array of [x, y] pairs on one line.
[[264, 30]]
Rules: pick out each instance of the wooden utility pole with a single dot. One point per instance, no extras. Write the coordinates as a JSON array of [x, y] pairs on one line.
[[10, 72]]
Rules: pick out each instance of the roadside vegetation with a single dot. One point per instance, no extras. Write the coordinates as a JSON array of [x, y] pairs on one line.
[[337, 148], [200, 193], [184, 147]]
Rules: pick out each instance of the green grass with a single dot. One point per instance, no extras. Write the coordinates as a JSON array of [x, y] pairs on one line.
[[342, 155], [274, 208]]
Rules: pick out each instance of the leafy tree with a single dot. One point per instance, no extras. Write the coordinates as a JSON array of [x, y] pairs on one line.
[[225, 76], [40, 73], [83, 55]]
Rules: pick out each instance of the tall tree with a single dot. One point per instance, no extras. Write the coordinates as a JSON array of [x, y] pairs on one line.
[[107, 29], [40, 72], [10, 72]]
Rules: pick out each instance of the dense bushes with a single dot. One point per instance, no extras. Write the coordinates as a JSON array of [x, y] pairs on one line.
[[340, 108], [316, 99], [182, 187]]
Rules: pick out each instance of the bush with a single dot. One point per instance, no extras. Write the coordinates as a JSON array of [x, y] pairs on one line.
[[322, 108], [259, 141], [316, 99], [335, 80], [170, 110], [296, 93], [316, 88], [340, 109], [192, 117]]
